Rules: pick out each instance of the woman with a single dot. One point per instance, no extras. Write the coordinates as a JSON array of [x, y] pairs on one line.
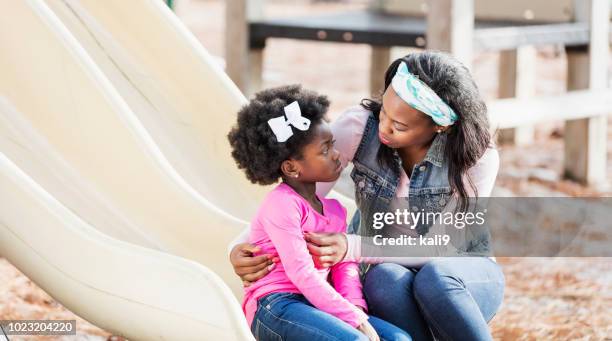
[[425, 142]]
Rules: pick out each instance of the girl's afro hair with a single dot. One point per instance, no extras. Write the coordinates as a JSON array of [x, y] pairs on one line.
[[254, 145]]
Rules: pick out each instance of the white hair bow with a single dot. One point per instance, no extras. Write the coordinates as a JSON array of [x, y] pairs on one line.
[[281, 127]]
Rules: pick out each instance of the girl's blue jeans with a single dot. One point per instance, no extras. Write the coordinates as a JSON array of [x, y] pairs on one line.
[[453, 298], [287, 316]]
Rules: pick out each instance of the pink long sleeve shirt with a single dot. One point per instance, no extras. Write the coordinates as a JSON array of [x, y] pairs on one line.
[[278, 229]]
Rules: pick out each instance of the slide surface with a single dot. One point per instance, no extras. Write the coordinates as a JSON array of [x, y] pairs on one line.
[[112, 143], [130, 290], [184, 101], [92, 210]]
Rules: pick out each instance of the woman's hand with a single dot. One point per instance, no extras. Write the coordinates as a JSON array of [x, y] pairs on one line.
[[369, 331], [249, 267], [327, 249]]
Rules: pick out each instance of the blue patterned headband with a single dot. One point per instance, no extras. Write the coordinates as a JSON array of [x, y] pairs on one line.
[[419, 96]]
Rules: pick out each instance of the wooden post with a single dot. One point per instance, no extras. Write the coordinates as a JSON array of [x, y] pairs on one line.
[[243, 65], [379, 62], [586, 139], [517, 76], [236, 41], [380, 56], [450, 28], [255, 80]]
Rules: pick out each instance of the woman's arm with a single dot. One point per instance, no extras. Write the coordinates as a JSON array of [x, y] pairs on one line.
[[246, 265], [242, 238], [483, 174], [328, 249]]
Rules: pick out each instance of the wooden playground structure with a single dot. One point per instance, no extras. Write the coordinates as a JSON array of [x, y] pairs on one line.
[[465, 27]]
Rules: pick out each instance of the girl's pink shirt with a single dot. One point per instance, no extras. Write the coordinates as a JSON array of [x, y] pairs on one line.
[[278, 230]]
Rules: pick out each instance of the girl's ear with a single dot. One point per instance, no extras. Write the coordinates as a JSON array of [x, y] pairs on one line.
[[290, 168]]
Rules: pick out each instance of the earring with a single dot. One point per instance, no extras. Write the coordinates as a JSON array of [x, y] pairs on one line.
[[298, 174], [439, 131]]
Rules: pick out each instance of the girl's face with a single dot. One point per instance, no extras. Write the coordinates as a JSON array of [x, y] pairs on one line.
[[320, 160], [401, 125]]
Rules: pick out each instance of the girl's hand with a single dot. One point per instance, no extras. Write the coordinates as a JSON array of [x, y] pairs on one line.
[[327, 249], [249, 267], [369, 331]]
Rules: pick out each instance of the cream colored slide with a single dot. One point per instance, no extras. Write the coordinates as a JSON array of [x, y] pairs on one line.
[[133, 291], [122, 193], [181, 97], [57, 90], [184, 101], [83, 184]]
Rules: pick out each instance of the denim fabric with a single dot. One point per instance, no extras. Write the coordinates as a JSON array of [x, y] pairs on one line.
[[453, 298], [376, 185], [289, 316]]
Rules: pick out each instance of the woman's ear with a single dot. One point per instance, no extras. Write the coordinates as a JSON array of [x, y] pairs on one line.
[[290, 168], [443, 129]]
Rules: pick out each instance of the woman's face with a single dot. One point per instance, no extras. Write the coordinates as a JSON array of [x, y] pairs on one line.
[[401, 125]]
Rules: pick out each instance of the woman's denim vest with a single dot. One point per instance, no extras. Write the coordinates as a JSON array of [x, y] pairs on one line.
[[376, 185], [429, 190]]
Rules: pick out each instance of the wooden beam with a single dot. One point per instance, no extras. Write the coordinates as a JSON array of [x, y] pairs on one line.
[[515, 112], [380, 29], [450, 28], [586, 139], [517, 78]]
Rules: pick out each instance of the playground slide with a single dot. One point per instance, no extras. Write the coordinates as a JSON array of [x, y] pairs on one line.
[[130, 290], [124, 127], [91, 209], [178, 93], [57, 90]]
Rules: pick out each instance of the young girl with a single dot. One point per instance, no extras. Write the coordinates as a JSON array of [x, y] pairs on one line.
[[282, 134]]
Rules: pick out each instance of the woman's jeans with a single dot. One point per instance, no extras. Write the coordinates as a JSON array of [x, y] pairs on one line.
[[286, 316], [452, 297]]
